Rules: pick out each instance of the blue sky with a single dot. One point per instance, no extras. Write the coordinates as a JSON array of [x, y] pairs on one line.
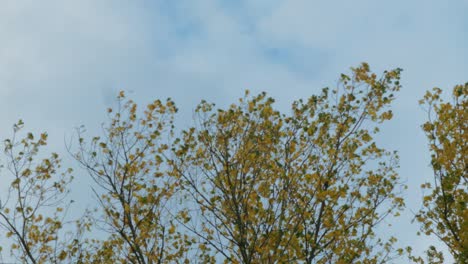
[[62, 62]]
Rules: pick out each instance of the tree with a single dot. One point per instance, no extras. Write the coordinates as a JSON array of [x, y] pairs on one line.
[[32, 210], [247, 184], [309, 187], [445, 212], [132, 189]]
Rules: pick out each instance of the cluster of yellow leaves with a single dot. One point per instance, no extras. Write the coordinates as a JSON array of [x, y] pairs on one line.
[[134, 192], [246, 184], [36, 189], [309, 187], [445, 211]]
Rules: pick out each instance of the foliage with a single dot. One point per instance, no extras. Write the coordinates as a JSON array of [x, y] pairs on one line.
[[445, 212], [133, 191], [246, 184], [309, 187], [33, 209]]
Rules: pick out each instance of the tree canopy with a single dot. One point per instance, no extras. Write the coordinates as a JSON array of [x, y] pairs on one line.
[[445, 212], [244, 184]]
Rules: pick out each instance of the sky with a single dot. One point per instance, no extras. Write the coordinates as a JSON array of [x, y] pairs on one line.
[[63, 62]]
